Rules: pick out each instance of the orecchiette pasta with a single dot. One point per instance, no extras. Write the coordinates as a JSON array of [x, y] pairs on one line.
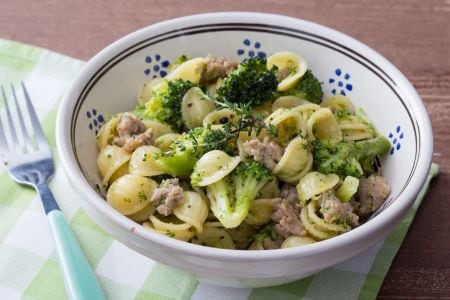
[[315, 183], [193, 211], [291, 67], [320, 222], [212, 88], [307, 168], [121, 171], [195, 107], [212, 167], [306, 110], [260, 212], [337, 103], [322, 125], [270, 190], [353, 129], [217, 118], [190, 70], [158, 128], [143, 214], [130, 193], [289, 124], [107, 132], [288, 102], [168, 226], [143, 163], [171, 230], [110, 159], [295, 241], [317, 226], [294, 160], [164, 141], [216, 237]]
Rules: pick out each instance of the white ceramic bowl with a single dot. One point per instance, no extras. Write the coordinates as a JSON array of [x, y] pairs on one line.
[[109, 82]]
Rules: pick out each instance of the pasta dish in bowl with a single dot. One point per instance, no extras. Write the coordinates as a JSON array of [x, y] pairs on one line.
[[259, 149], [243, 156]]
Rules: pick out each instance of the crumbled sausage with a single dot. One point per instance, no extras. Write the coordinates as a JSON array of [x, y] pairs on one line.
[[372, 192], [286, 215], [266, 152], [217, 67], [289, 192], [145, 138], [167, 196], [269, 244], [132, 133], [283, 73], [241, 235], [333, 210]]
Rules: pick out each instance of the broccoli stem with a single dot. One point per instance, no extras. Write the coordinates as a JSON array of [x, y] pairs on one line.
[[368, 149]]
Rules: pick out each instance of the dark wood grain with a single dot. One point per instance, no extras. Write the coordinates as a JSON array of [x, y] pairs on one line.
[[414, 35]]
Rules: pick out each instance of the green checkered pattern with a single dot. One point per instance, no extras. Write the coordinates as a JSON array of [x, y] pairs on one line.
[[28, 263]]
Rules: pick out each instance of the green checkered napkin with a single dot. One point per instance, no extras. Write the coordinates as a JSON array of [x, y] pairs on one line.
[[28, 263]]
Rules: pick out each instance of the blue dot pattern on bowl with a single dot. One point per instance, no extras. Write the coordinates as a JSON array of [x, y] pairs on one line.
[[95, 120], [395, 139], [339, 83], [250, 49], [156, 66]]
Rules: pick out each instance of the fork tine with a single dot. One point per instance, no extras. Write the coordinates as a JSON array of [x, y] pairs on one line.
[[40, 137], [10, 121], [26, 137], [3, 142]]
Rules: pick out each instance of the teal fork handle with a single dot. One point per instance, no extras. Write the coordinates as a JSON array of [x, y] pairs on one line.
[[79, 279]]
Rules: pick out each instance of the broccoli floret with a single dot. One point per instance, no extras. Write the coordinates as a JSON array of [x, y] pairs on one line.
[[218, 140], [340, 158], [308, 87], [165, 103], [184, 152], [232, 196], [250, 83], [348, 159], [268, 232]]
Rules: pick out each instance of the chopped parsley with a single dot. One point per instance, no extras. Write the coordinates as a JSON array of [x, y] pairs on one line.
[[170, 233], [343, 113], [267, 232], [142, 196]]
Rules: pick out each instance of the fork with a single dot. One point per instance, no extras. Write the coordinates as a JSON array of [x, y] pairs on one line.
[[32, 165]]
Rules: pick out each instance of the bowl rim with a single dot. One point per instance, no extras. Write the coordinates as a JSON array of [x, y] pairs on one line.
[[390, 216]]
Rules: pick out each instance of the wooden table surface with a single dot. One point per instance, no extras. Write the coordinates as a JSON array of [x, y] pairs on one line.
[[414, 35]]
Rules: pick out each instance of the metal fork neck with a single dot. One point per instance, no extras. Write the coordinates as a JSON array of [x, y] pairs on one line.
[[48, 201]]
